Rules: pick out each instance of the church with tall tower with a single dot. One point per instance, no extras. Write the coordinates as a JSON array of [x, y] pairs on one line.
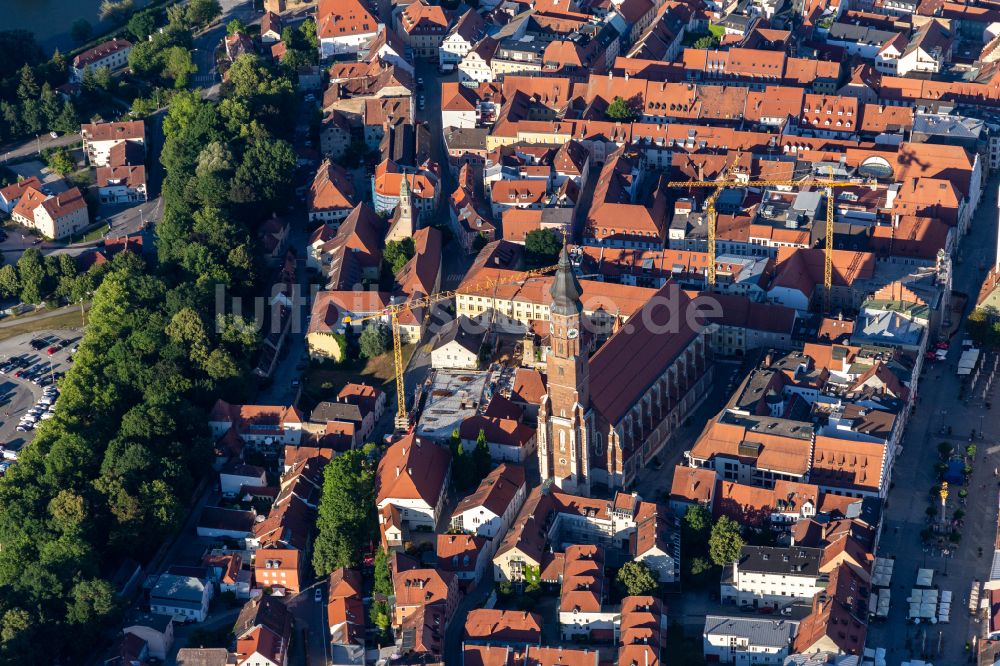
[[402, 224], [605, 417], [566, 406]]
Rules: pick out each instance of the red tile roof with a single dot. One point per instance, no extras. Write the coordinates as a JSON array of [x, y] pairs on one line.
[[15, 190], [100, 52], [634, 357], [496, 491], [692, 484], [504, 626], [412, 469], [420, 274], [343, 18]]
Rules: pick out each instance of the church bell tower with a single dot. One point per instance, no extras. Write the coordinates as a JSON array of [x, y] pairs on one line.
[[563, 431]]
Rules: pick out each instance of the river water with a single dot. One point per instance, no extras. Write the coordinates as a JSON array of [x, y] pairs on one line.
[[50, 20]]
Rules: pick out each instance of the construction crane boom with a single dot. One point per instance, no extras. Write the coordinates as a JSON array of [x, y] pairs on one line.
[[393, 311], [722, 184]]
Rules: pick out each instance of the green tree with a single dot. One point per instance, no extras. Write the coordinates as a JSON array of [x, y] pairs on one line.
[[345, 519], [236, 26], [620, 111], [11, 120], [9, 284], [980, 326], [697, 571], [81, 30], [141, 25], [481, 456], [308, 30], [60, 161], [142, 107], [68, 511], [102, 78], [637, 579], [32, 277], [188, 330], [15, 623], [31, 113], [397, 253], [178, 15], [706, 42], [697, 527], [50, 105], [28, 87], [726, 541], [200, 12], [265, 173], [144, 59], [58, 62], [380, 615], [178, 65], [542, 247], [383, 574], [91, 600], [67, 121], [213, 173], [374, 340]]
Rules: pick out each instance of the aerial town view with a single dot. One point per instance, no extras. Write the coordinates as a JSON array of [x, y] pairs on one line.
[[499, 332]]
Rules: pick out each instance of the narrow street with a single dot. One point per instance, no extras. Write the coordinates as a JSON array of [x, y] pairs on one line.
[[914, 475], [30, 147]]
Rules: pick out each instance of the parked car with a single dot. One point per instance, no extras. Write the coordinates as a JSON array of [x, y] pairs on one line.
[[318, 594]]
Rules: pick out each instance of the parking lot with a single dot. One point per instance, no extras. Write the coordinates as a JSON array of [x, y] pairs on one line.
[[29, 371]]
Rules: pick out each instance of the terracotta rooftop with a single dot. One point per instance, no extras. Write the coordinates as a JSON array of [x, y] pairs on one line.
[[412, 470]]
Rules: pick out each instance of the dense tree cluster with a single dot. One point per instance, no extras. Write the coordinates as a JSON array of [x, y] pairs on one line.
[[164, 58], [983, 326], [111, 475], [36, 278], [29, 104], [397, 253], [541, 247], [301, 46], [346, 518], [696, 529]]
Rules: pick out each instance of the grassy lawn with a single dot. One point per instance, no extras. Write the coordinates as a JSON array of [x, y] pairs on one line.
[[94, 234], [67, 320], [717, 30], [323, 383]]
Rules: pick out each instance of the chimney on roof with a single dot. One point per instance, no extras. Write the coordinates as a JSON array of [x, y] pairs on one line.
[[397, 470]]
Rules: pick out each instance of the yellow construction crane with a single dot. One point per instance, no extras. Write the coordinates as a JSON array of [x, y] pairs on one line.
[[720, 185], [393, 312]]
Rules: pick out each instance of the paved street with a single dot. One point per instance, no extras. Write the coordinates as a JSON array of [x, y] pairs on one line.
[[914, 474], [309, 645], [29, 147], [203, 48]]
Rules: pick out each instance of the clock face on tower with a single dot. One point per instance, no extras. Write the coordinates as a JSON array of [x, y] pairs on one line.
[[572, 333]]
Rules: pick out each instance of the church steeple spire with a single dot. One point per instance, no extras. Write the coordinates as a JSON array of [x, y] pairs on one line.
[[566, 289]]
